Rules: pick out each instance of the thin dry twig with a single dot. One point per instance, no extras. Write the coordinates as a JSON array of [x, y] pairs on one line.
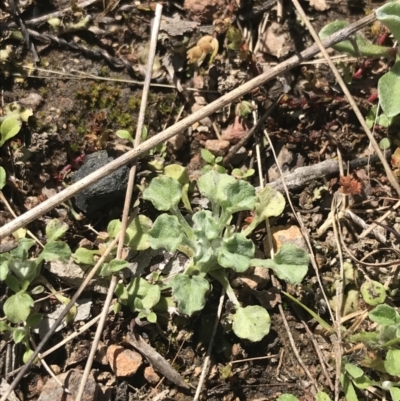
[[128, 199], [155, 359], [206, 364], [180, 126], [275, 281]]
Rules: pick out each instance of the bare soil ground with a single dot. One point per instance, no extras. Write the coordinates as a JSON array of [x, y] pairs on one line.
[[75, 116]]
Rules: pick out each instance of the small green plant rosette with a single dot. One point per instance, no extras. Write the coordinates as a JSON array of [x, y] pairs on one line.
[[373, 292], [251, 323]]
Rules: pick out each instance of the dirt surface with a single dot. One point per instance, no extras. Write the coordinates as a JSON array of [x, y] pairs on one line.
[[75, 116]]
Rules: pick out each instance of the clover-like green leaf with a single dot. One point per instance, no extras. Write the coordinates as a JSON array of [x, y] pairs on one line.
[[136, 235], [385, 315], [18, 307], [55, 229], [389, 89], [389, 15], [9, 128], [24, 269], [251, 323], [114, 266], [189, 292], [163, 192], [236, 252], [166, 233], [365, 47], [22, 250], [55, 250], [391, 363], [138, 287], [353, 370]]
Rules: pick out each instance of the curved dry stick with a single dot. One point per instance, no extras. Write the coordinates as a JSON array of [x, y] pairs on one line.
[[206, 111]]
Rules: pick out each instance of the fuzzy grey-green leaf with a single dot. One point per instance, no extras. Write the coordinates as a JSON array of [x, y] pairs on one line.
[[163, 192]]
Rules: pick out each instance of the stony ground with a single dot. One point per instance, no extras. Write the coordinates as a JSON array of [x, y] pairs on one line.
[[81, 93]]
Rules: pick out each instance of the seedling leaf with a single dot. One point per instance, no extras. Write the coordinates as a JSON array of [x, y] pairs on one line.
[[9, 128], [152, 297], [389, 15], [236, 252], [55, 229], [56, 250], [385, 315], [388, 89], [124, 134], [251, 323], [391, 363], [287, 397], [322, 396], [163, 192], [3, 178], [205, 225], [166, 233], [271, 203], [207, 156], [289, 264], [17, 307], [365, 47], [189, 292], [84, 256]]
